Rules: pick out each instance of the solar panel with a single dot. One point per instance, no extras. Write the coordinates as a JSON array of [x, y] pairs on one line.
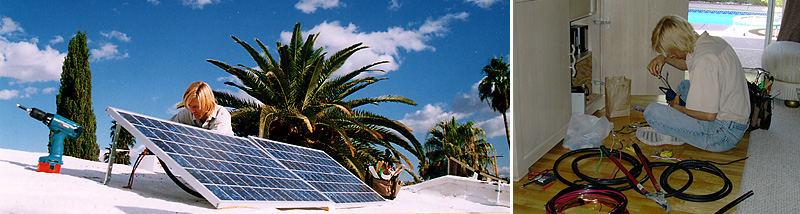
[[233, 171], [321, 171]]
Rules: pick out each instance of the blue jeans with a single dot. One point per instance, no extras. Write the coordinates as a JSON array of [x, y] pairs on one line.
[[714, 136]]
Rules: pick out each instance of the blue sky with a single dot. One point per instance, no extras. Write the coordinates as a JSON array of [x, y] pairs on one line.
[[145, 53]]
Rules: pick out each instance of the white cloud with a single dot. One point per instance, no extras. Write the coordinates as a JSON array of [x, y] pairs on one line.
[[9, 26], [383, 45], [483, 3], [230, 78], [25, 93], [49, 90], [25, 62], [8, 94], [199, 4], [395, 5], [56, 40], [485, 118], [493, 127], [171, 110], [154, 2], [106, 52], [31, 90], [309, 6], [116, 35], [504, 171], [423, 120], [470, 102], [438, 26]]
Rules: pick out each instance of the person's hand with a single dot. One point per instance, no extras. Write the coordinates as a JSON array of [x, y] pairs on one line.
[[656, 65], [675, 102]]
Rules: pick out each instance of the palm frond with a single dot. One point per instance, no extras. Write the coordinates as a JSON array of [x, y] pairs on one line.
[[382, 99]]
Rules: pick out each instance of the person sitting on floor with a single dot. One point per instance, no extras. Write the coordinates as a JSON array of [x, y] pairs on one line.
[[717, 105]]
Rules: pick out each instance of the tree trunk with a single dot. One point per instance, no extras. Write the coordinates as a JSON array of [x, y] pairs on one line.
[[505, 123]]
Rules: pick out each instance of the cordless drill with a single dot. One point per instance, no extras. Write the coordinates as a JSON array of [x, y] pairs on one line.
[[60, 128]]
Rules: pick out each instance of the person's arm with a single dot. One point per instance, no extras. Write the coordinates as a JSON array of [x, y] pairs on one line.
[[183, 116], [678, 63], [692, 113], [656, 65]]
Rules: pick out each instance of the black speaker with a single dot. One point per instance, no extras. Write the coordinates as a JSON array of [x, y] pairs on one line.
[[578, 38]]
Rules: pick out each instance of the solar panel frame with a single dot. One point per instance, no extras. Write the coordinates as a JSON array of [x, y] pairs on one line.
[[299, 169], [147, 136]]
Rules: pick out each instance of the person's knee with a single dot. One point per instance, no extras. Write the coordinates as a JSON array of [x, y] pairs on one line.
[[684, 83], [651, 111]]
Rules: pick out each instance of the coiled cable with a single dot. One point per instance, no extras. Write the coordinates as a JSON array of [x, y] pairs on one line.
[[579, 195], [704, 166], [635, 171]]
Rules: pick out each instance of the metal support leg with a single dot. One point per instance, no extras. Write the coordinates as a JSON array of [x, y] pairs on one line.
[[112, 154]]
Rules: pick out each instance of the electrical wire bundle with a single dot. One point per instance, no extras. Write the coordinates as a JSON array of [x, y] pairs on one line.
[[686, 166], [579, 195], [595, 152]]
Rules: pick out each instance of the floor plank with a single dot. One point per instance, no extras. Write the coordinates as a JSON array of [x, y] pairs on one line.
[[531, 199]]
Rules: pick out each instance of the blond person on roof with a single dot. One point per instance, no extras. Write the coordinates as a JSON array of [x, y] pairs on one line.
[[201, 110], [717, 108]]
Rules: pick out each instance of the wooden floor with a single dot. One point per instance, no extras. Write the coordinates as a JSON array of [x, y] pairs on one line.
[[531, 199]]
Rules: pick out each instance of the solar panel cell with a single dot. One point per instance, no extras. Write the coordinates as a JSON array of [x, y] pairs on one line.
[[229, 170], [319, 170]]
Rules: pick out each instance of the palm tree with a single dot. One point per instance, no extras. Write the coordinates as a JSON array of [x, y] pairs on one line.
[[124, 143], [302, 102], [495, 88], [464, 142]]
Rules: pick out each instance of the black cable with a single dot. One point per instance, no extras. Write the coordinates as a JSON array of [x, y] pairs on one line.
[[623, 128], [135, 165], [178, 182], [745, 158], [734, 202], [686, 166], [684, 187], [637, 167], [704, 166], [608, 182]]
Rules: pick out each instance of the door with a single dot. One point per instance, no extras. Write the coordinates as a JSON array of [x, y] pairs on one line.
[[540, 80]]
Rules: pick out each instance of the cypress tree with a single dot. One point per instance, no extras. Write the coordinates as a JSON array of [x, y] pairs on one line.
[[74, 99]]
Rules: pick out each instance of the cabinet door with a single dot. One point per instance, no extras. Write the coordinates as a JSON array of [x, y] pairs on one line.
[[540, 80], [625, 41]]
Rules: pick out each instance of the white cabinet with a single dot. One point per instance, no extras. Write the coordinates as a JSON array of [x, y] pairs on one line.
[[540, 80], [624, 47], [580, 8]]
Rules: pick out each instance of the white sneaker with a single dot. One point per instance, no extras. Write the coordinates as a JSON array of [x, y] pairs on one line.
[[650, 136]]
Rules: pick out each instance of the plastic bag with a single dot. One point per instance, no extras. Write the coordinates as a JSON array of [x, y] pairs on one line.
[[586, 131]]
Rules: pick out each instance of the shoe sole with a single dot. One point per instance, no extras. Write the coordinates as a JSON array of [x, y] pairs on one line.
[[653, 138]]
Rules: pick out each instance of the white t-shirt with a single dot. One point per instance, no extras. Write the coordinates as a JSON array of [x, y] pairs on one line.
[[219, 121], [718, 84]]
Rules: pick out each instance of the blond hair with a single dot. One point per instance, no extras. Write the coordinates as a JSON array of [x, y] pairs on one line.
[[204, 95], [673, 33]]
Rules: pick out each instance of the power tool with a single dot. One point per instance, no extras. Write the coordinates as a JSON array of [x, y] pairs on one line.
[[60, 128]]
